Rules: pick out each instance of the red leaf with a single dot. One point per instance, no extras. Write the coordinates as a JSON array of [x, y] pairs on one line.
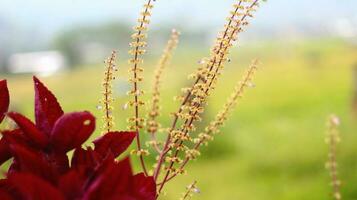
[[102, 165], [30, 161], [8, 138], [114, 142], [71, 130], [47, 109], [30, 130], [15, 137], [4, 99], [58, 161], [6, 192], [34, 188], [113, 181], [144, 187], [5, 196], [5, 154], [72, 183], [85, 158]]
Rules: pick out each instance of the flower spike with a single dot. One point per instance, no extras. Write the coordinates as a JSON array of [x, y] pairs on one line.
[[190, 189], [193, 101], [107, 100], [332, 139], [152, 124], [164, 60], [221, 117], [213, 127], [138, 49]]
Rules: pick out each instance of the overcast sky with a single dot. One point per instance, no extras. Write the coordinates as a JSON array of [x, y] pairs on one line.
[[46, 15]]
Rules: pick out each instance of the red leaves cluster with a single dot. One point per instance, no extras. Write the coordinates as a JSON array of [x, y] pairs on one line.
[[41, 170]]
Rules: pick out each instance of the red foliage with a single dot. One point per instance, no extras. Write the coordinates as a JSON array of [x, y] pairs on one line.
[[40, 168], [4, 99]]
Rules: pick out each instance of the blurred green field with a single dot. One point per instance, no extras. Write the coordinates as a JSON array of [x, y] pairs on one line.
[[273, 145]]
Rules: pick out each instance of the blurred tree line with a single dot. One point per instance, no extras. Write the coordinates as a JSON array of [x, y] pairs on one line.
[[91, 44], [82, 45]]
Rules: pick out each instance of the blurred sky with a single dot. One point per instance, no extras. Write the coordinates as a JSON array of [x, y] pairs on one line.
[[49, 16]]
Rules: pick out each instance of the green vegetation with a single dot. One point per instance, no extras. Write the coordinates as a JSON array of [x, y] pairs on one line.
[[273, 145]]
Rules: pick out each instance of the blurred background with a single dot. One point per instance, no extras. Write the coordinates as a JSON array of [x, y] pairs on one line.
[[273, 145]]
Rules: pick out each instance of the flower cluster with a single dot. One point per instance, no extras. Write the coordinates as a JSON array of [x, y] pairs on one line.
[[183, 140], [180, 147], [41, 169]]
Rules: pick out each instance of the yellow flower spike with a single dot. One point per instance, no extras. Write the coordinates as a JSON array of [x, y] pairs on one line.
[[107, 99], [196, 97], [332, 139], [201, 91], [213, 127], [152, 124], [137, 51], [190, 190]]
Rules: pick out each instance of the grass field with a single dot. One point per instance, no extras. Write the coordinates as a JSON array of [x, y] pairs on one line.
[[273, 145]]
